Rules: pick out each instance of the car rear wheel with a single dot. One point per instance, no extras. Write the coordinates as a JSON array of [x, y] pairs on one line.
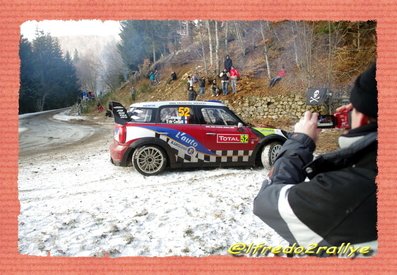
[[269, 154], [149, 160]]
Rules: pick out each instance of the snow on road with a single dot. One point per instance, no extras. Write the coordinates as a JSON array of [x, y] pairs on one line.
[[45, 131], [74, 202]]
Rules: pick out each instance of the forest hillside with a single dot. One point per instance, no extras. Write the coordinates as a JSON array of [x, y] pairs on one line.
[[314, 55], [320, 54]]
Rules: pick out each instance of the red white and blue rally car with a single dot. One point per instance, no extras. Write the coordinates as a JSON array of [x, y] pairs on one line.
[[189, 134]]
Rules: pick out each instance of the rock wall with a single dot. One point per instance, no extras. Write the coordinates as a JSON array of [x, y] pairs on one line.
[[273, 107]]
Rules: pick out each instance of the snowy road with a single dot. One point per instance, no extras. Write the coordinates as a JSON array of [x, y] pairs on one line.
[[74, 202], [40, 131]]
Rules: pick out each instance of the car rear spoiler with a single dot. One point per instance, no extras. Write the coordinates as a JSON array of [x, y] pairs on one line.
[[120, 114]]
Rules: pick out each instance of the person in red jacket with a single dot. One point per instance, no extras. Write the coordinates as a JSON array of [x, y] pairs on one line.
[[234, 75], [278, 77]]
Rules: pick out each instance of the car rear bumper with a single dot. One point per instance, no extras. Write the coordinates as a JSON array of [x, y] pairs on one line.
[[119, 153]]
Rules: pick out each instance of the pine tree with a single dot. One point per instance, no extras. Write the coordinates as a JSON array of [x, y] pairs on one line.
[[48, 80], [28, 93]]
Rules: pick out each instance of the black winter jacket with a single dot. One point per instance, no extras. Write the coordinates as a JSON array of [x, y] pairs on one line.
[[228, 64], [191, 94], [337, 204]]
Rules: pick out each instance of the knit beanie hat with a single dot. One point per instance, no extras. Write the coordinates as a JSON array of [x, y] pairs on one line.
[[364, 94]]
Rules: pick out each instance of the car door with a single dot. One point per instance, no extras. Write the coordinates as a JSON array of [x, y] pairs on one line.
[[178, 126], [230, 143]]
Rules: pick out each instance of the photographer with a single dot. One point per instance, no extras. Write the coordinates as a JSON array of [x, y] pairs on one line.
[[338, 203]]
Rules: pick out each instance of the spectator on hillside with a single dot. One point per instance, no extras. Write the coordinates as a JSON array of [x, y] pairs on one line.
[[225, 81], [214, 88], [133, 93], [173, 77], [109, 112], [228, 64], [99, 108], [234, 75], [84, 95], [195, 79], [91, 95], [191, 94], [152, 77], [278, 77], [157, 76], [202, 85], [189, 81]]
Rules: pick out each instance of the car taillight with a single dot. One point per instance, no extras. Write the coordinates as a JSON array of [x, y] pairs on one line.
[[120, 133]]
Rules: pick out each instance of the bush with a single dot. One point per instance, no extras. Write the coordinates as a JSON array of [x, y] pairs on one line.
[[145, 88]]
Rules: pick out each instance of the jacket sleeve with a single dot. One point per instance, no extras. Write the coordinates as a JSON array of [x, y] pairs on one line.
[[307, 212], [296, 152], [271, 204]]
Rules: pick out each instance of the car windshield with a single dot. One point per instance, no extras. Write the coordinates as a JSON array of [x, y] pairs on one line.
[[141, 114]]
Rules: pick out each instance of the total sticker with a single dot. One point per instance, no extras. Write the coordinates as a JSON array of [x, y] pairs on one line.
[[231, 138]]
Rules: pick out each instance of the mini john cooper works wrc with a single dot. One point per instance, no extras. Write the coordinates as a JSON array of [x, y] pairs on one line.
[[189, 134]]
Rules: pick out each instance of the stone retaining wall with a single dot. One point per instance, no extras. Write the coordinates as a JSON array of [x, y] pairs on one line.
[[273, 107]]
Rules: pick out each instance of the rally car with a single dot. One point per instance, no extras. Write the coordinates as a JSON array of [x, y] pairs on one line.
[[189, 134]]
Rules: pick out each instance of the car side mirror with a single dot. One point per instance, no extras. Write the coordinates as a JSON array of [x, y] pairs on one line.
[[240, 126]]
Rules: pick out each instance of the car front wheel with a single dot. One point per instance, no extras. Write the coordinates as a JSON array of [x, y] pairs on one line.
[[149, 160], [269, 154]]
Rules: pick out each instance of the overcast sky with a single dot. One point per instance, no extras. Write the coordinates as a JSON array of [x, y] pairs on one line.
[[70, 28]]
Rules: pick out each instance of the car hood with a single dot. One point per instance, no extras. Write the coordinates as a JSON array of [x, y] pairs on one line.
[[269, 131]]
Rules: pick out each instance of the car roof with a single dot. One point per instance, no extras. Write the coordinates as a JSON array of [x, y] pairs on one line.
[[157, 104]]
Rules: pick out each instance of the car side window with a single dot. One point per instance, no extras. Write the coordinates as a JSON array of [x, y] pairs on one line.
[[228, 117], [141, 114], [218, 116], [177, 115]]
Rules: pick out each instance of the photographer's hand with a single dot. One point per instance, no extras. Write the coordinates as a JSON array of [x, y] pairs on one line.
[[308, 125], [347, 107]]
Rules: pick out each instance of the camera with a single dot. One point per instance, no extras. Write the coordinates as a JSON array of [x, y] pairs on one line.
[[340, 120]]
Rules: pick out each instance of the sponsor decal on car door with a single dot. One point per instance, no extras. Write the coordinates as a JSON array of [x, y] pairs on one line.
[[232, 138], [229, 144]]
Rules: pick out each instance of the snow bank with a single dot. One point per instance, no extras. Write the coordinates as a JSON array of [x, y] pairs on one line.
[[74, 202], [65, 116], [79, 204]]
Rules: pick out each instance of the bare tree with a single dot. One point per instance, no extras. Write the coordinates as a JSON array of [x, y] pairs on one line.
[[294, 33], [330, 52], [271, 29], [265, 50], [187, 28], [112, 67], [358, 36], [203, 50], [216, 47], [210, 43], [239, 37], [87, 71], [153, 48], [307, 37], [226, 36], [101, 70]]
